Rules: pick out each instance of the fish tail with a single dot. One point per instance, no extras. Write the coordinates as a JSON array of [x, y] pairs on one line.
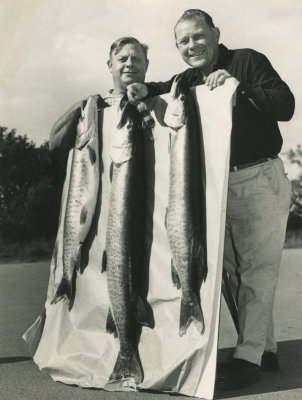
[[65, 291], [145, 315], [191, 312], [127, 366]]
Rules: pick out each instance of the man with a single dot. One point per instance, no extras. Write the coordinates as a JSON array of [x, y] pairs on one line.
[[258, 192], [127, 63]]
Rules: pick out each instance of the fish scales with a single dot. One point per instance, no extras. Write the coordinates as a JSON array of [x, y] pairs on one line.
[[120, 264], [81, 197], [185, 218]]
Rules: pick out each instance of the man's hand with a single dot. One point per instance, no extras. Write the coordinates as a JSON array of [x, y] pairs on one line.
[[136, 92], [217, 78]]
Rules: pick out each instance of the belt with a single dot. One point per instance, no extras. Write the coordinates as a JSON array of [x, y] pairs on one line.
[[251, 164]]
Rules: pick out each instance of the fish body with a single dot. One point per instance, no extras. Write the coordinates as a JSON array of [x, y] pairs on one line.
[[185, 218], [81, 197], [125, 303]]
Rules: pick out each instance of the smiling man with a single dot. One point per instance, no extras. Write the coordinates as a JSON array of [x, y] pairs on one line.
[[127, 63], [259, 191]]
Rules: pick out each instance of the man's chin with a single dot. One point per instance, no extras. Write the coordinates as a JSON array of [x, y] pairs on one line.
[[196, 63], [128, 79]]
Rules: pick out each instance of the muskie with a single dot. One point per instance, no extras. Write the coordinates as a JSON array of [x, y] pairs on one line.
[[127, 307], [185, 218], [81, 198]]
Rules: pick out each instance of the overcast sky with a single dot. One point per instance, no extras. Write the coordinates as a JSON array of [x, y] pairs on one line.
[[54, 52]]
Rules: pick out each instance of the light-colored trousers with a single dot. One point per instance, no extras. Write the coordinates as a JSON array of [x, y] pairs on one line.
[[257, 212]]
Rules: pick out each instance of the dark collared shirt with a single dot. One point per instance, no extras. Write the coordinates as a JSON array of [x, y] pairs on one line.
[[255, 131]]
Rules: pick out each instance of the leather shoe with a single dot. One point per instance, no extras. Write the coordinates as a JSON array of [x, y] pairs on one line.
[[240, 374], [269, 361]]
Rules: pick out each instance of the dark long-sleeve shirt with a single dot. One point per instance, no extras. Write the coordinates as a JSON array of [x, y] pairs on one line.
[[262, 99]]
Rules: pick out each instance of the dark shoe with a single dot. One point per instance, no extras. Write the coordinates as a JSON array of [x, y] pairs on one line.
[[269, 361], [240, 374]]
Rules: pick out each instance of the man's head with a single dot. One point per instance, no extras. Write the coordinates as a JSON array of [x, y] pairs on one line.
[[127, 62], [197, 40]]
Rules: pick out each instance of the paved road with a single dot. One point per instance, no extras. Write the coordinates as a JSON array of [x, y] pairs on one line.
[[22, 296]]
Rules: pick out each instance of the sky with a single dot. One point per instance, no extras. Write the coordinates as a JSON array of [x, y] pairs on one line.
[[55, 52]]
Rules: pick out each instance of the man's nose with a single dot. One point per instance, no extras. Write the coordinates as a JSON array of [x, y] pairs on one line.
[[192, 43], [129, 61]]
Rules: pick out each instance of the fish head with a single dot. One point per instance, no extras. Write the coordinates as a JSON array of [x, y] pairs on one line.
[[87, 127], [176, 112], [127, 120]]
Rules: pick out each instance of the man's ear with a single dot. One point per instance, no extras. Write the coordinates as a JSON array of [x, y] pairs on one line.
[[109, 63], [216, 32], [147, 64]]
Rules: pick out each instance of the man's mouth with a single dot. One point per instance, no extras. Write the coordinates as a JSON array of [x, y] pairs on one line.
[[199, 54]]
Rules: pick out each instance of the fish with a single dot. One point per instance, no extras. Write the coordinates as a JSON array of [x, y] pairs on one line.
[[186, 211], [127, 308], [81, 198]]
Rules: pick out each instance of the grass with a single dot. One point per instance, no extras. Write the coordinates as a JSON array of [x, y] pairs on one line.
[[35, 250]]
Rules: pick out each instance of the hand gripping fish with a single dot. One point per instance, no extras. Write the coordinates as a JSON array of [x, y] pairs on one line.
[[186, 218], [81, 197], [127, 308]]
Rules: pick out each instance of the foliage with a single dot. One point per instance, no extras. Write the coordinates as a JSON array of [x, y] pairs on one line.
[[30, 189]]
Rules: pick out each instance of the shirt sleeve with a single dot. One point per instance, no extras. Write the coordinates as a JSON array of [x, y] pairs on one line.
[[158, 88], [266, 90]]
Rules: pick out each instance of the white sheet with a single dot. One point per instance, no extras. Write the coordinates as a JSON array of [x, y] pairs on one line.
[[74, 347]]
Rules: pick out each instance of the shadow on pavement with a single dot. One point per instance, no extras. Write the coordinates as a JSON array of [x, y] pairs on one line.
[[8, 360], [287, 378]]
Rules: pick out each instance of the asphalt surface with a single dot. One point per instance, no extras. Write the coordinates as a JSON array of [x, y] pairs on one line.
[[22, 296]]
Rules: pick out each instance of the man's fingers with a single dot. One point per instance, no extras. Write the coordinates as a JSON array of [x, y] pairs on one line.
[[217, 78]]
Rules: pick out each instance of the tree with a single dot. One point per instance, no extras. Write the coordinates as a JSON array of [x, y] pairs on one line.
[[30, 189]]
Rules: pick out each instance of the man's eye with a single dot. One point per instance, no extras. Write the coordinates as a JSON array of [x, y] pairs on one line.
[[183, 42]]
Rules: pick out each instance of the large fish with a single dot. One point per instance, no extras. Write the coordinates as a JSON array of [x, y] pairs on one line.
[[127, 307], [185, 218], [81, 197]]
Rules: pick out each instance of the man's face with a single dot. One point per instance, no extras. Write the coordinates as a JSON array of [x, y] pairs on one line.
[[197, 43], [128, 66]]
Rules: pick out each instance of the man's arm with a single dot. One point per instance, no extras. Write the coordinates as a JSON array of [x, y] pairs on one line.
[[266, 90], [138, 91]]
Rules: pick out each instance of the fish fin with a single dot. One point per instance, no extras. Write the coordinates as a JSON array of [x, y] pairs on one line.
[[127, 366], [199, 258], [110, 324], [111, 172], [55, 256], [166, 218], [65, 291], [175, 277], [144, 313], [77, 259], [104, 261], [92, 154], [191, 312], [83, 215]]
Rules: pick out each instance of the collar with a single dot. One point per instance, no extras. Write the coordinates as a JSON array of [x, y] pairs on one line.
[[111, 98], [224, 58]]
